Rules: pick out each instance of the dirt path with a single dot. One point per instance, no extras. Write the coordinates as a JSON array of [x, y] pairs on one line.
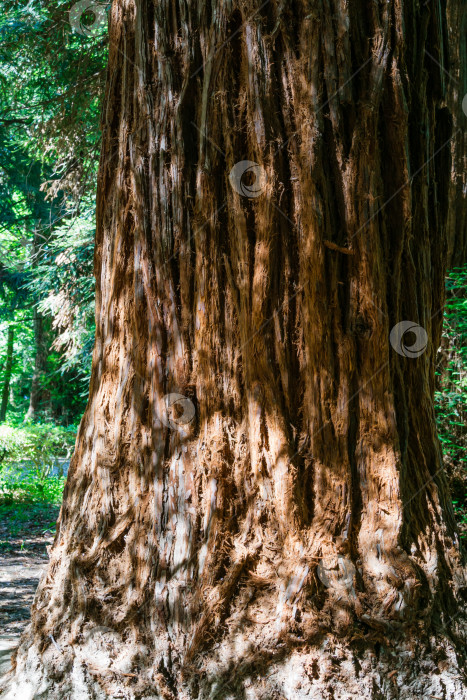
[[25, 532]]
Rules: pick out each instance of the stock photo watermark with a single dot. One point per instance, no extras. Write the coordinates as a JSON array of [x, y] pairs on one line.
[[409, 339], [88, 18], [337, 573], [179, 411], [248, 179]]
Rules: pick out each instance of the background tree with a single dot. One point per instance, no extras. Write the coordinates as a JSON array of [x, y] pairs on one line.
[[8, 365], [457, 91], [296, 538], [50, 94]]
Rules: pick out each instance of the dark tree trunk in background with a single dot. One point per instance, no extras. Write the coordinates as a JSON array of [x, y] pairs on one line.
[[8, 370], [296, 539], [40, 359], [457, 100], [40, 346]]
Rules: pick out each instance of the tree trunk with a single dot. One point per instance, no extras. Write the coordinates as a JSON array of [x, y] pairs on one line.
[[457, 101], [8, 370], [40, 347], [256, 506], [40, 359]]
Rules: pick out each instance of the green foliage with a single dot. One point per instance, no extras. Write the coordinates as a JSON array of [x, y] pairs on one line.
[[28, 489], [28, 509], [451, 394], [51, 86], [29, 492], [37, 446], [19, 513], [64, 283]]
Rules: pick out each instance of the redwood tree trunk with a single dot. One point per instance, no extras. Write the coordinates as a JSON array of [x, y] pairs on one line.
[[295, 538]]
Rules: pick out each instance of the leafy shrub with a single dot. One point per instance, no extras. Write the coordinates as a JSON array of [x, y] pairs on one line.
[[28, 456], [30, 490], [40, 443], [451, 394]]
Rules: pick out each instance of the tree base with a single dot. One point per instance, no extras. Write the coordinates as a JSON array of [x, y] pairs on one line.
[[105, 667]]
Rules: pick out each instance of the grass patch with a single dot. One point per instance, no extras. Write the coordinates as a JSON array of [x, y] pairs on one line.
[[30, 489], [18, 516], [29, 507]]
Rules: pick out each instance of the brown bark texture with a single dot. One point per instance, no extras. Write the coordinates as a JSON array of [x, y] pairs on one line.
[[272, 203]]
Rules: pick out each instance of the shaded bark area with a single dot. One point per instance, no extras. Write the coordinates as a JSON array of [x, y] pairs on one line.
[[300, 527]]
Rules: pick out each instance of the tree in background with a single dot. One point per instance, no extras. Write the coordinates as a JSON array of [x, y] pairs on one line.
[[270, 259], [455, 76], [50, 93], [13, 300], [8, 369]]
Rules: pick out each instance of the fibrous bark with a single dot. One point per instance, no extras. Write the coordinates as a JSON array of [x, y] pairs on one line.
[[296, 538]]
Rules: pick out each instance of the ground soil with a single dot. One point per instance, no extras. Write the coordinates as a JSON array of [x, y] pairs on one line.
[[25, 534]]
